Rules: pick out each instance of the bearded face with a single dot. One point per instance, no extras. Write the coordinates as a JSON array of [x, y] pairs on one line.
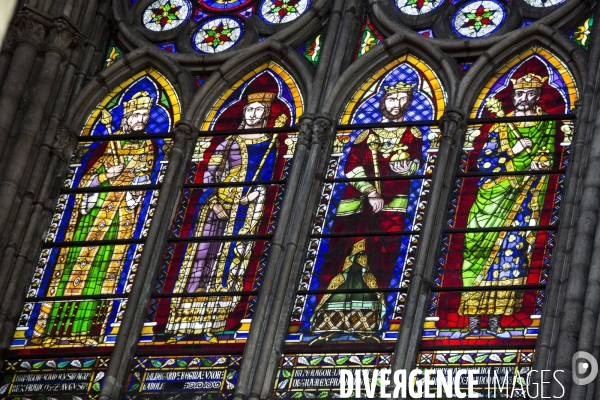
[[394, 105], [255, 114], [136, 121], [525, 99]]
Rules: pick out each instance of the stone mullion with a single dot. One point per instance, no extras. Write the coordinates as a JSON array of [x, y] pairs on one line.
[[250, 359], [155, 243], [96, 29], [296, 230], [305, 206], [574, 288], [453, 125], [319, 131], [263, 332], [24, 261]]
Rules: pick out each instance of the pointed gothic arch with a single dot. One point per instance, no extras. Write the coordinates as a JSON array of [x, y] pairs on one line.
[[400, 46], [555, 46], [130, 65]]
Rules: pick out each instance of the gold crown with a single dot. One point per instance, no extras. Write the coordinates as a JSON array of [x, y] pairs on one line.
[[139, 101], [530, 80], [399, 87], [261, 97]]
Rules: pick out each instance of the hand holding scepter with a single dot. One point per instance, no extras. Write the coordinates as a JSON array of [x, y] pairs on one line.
[[106, 120], [494, 105]]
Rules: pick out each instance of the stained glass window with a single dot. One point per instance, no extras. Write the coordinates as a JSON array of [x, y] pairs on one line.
[[365, 237], [220, 24], [311, 49], [77, 297], [544, 3], [489, 286], [478, 18], [581, 33], [164, 15], [113, 53], [217, 34], [417, 7], [213, 266], [369, 38]]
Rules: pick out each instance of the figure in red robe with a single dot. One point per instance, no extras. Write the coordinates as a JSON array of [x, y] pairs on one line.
[[376, 204]]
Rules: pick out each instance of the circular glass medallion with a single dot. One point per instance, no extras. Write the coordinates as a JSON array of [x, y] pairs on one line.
[[417, 7], [478, 19], [544, 3], [282, 11], [223, 5], [217, 34], [163, 15]]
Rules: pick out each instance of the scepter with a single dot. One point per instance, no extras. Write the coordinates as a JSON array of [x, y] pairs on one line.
[[494, 105], [106, 120]]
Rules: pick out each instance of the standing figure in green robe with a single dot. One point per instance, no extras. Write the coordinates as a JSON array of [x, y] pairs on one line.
[[496, 259], [98, 216]]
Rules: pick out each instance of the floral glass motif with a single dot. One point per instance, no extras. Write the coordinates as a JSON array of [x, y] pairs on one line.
[[220, 22], [164, 15], [113, 54], [544, 3], [282, 11], [366, 230], [503, 215], [220, 239], [478, 18], [369, 38], [418, 7], [581, 34], [217, 35], [94, 207], [312, 48]]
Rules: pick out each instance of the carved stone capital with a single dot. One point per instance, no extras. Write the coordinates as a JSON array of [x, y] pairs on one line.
[[64, 143], [184, 132], [29, 27], [63, 36], [453, 124], [321, 131], [305, 132]]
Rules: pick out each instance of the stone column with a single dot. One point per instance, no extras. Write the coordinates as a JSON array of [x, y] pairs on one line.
[[298, 224], [62, 37], [453, 125], [15, 232], [29, 30], [257, 331], [25, 259], [137, 303], [262, 336], [296, 245], [574, 327]]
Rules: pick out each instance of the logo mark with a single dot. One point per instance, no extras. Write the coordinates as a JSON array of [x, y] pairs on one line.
[[584, 367]]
